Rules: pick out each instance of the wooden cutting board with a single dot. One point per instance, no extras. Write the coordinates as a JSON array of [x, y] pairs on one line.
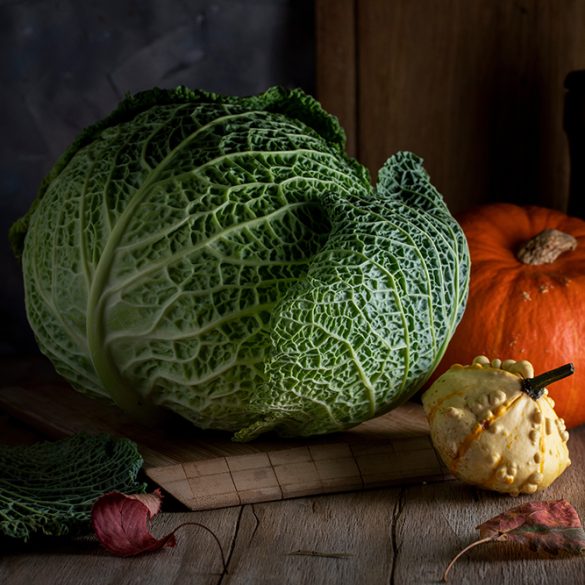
[[205, 470]]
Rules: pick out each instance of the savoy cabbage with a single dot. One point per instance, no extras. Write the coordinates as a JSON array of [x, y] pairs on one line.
[[223, 258]]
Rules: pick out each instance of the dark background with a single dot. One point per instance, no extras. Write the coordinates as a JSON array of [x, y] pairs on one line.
[[66, 63]]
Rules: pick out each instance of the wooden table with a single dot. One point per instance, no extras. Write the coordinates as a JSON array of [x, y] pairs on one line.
[[404, 534]]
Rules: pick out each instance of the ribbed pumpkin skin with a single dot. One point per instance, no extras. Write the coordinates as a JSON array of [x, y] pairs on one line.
[[519, 311]]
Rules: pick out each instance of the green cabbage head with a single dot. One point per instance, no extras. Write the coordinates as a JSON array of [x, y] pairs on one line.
[[223, 258]]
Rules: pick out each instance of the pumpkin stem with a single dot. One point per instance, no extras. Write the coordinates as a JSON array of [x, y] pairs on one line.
[[536, 386], [546, 247]]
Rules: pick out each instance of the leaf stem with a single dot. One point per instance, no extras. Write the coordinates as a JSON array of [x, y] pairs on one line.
[[546, 247], [535, 387], [461, 553], [223, 560]]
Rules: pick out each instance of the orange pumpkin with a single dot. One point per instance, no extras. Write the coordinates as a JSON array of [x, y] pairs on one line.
[[526, 302]]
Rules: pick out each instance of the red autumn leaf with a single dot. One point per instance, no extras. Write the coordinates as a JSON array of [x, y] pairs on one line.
[[549, 526], [121, 523], [553, 527]]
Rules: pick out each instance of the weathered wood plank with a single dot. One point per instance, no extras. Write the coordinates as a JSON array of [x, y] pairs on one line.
[[195, 560], [438, 521], [14, 432], [475, 88], [335, 56], [206, 470], [397, 535], [344, 539]]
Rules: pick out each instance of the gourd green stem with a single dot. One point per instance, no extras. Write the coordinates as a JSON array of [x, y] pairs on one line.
[[535, 387]]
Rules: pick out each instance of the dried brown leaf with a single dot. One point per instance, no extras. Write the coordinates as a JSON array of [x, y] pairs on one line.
[[551, 526]]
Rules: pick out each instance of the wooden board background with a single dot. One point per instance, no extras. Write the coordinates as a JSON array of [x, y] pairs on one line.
[[393, 536], [206, 470], [474, 87]]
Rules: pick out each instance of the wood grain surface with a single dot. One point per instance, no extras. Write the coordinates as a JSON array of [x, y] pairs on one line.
[[205, 470], [336, 63], [475, 88], [401, 535], [404, 534]]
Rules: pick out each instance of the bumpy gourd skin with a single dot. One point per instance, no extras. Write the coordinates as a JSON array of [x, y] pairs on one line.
[[490, 433]]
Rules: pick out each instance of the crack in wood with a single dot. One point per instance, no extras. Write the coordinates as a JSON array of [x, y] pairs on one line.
[[225, 571], [396, 545]]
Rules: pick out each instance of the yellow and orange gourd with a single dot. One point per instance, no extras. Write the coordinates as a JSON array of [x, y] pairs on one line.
[[526, 295], [490, 432]]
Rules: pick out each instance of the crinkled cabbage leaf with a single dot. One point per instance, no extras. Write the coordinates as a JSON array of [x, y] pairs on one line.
[[48, 488], [222, 257]]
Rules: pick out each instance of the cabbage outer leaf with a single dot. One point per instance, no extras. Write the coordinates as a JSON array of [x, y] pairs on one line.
[[223, 258]]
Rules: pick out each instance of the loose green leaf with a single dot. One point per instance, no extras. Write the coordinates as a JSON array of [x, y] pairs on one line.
[[49, 488], [552, 527]]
